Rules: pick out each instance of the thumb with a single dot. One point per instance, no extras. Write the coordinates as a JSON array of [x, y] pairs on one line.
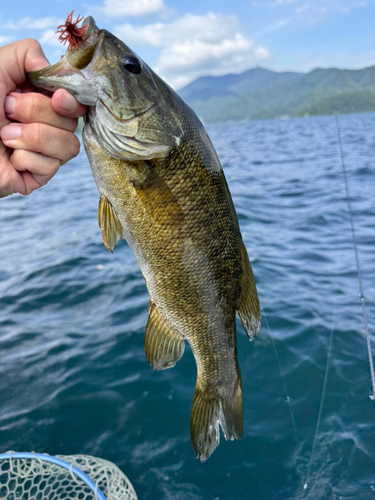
[[30, 56], [19, 58]]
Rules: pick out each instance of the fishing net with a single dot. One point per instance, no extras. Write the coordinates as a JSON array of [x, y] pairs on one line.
[[35, 476]]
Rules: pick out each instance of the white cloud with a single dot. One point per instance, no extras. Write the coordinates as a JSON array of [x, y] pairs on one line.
[[272, 3], [193, 46], [50, 37], [30, 23], [275, 26], [302, 12], [343, 60], [119, 8], [323, 7], [5, 39], [317, 7]]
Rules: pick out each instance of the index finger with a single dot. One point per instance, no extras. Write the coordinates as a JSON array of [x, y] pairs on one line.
[[32, 107], [67, 105]]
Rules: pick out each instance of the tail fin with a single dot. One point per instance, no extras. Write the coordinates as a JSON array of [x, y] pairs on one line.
[[211, 409]]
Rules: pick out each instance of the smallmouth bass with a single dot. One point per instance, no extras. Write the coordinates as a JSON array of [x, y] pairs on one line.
[[162, 188]]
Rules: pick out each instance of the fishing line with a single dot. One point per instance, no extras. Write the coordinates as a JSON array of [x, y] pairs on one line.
[[321, 399], [287, 398], [361, 294]]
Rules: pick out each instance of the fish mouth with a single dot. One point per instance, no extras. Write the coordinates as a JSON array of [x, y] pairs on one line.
[[75, 59]]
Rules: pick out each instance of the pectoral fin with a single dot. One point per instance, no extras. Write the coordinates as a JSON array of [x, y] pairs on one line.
[[163, 346], [249, 310], [156, 196], [109, 224]]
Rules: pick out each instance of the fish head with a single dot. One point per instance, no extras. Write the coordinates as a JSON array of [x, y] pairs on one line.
[[128, 113]]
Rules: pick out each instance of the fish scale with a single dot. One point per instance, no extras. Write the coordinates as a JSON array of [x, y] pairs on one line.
[[162, 188]]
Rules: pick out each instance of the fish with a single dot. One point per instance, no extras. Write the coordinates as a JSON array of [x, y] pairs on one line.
[[162, 189]]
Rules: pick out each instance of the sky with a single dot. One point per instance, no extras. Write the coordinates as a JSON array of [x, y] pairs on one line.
[[185, 39]]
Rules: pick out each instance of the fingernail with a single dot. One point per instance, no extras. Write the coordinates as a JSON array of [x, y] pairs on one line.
[[67, 102], [9, 105], [10, 132]]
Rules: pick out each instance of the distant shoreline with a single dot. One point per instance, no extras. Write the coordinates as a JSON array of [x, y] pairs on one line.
[[263, 94]]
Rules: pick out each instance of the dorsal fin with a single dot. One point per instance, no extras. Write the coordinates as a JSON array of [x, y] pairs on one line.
[[163, 346], [109, 224], [249, 309]]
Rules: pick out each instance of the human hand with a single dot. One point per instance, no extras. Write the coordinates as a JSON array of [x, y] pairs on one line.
[[45, 125]]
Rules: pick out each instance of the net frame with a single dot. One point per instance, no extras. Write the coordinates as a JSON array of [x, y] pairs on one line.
[[91, 478]]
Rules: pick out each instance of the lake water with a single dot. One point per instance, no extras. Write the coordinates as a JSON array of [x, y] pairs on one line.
[[74, 378]]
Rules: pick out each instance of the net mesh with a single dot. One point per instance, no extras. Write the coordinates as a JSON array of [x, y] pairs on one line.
[[35, 479]]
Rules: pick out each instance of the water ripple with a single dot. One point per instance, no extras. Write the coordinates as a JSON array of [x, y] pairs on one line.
[[74, 376]]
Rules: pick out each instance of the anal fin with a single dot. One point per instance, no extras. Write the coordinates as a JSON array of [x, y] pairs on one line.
[[163, 346], [109, 224], [249, 309]]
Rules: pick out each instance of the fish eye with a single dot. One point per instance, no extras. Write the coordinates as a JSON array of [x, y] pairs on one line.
[[131, 64]]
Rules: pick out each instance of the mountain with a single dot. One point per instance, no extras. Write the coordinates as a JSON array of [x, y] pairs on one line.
[[261, 93]]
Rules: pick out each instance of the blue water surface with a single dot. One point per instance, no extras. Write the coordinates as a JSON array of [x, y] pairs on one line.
[[73, 374]]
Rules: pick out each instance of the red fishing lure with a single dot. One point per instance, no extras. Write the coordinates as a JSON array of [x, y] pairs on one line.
[[70, 33]]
